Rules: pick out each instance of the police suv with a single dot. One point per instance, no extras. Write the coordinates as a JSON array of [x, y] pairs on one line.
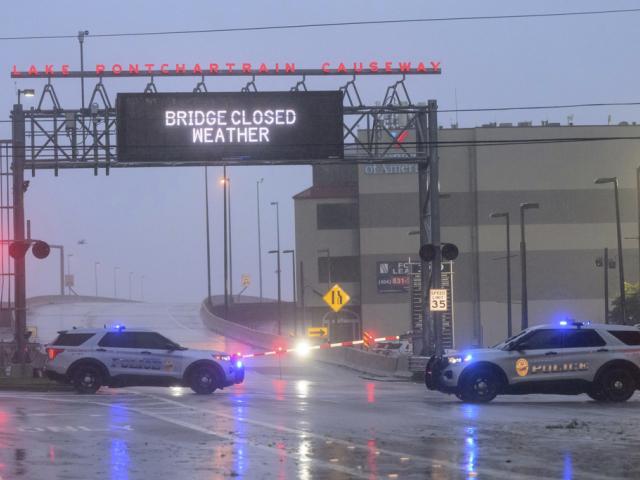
[[118, 357], [600, 360]]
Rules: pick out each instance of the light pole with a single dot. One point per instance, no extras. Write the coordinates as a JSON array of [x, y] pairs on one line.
[[130, 279], [523, 261], [228, 185], [623, 306], [276, 204], [607, 264], [27, 92], [115, 281], [259, 238], [505, 215], [206, 213], [326, 250], [95, 275], [226, 245], [294, 303], [61, 248], [638, 196], [69, 255], [277, 252], [141, 287]]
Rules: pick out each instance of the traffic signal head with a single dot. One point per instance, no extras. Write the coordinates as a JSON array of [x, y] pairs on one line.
[[449, 251], [427, 252], [18, 249], [41, 249]]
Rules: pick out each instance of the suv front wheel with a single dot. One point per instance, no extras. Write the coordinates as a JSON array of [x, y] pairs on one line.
[[479, 386], [87, 379], [204, 380]]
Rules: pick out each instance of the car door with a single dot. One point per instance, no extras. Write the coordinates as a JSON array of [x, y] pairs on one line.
[[535, 355], [584, 351], [159, 358], [117, 351]]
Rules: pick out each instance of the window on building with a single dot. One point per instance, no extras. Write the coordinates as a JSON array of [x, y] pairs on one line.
[[343, 269], [628, 337], [582, 339], [337, 216]]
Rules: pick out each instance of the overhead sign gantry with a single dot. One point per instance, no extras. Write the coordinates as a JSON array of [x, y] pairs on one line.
[[299, 126]]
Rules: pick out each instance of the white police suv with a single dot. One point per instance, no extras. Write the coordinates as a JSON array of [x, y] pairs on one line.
[[600, 360], [118, 357]]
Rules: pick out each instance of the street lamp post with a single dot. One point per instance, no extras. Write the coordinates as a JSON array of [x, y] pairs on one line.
[[206, 213], [623, 307], [277, 205], [115, 281], [226, 245], [141, 287], [607, 264], [259, 238], [505, 215], [61, 248], [638, 197], [69, 255], [228, 184], [95, 275], [279, 297], [523, 260], [294, 302], [328, 252], [130, 280], [27, 92]]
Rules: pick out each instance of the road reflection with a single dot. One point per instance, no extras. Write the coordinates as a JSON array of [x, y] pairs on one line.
[[118, 448]]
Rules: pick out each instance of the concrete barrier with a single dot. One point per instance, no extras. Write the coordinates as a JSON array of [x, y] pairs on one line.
[[240, 333], [366, 362], [64, 299], [352, 358]]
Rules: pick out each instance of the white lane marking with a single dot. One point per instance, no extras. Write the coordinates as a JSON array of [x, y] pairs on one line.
[[273, 450], [435, 463], [429, 460]]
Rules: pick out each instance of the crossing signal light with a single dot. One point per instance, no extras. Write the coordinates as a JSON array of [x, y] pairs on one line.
[[41, 249], [427, 252], [448, 250], [18, 249]]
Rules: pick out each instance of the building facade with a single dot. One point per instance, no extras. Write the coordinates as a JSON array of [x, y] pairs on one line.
[[357, 225]]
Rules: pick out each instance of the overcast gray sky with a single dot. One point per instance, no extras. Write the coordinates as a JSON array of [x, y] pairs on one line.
[[151, 221]]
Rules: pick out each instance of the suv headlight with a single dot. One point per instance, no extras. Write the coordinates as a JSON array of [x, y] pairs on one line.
[[459, 359]]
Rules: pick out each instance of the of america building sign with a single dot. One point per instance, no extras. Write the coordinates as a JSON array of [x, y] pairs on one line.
[[245, 126]]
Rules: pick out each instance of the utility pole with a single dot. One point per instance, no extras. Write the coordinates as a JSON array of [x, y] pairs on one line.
[[18, 153], [206, 213], [278, 266], [259, 238], [226, 246]]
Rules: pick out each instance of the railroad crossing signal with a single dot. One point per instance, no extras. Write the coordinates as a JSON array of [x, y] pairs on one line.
[[438, 300], [336, 298], [317, 331]]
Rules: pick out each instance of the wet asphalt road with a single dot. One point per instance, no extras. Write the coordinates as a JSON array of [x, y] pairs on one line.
[[313, 422]]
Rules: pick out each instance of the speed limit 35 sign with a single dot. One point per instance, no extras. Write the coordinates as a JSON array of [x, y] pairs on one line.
[[438, 300]]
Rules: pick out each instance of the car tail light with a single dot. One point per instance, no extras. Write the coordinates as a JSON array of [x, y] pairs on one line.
[[54, 352]]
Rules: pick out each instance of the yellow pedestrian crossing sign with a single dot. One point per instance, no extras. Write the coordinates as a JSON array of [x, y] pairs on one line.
[[336, 298]]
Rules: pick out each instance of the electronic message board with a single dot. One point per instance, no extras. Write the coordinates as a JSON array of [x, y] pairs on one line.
[[251, 127]]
